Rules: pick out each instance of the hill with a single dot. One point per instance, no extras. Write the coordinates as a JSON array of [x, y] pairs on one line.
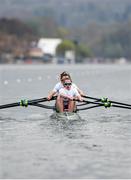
[[14, 27], [69, 13]]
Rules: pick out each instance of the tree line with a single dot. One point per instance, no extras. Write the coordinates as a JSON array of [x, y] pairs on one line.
[[96, 40]]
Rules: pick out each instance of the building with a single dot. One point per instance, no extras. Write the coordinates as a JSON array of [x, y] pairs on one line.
[[35, 52], [49, 45]]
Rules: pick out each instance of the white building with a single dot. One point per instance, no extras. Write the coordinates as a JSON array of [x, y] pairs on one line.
[[49, 45]]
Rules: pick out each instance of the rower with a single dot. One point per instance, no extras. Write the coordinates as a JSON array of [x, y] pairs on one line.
[[65, 97], [64, 75]]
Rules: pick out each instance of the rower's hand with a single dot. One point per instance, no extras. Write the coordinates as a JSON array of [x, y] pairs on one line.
[[49, 98], [80, 98], [82, 94], [70, 98]]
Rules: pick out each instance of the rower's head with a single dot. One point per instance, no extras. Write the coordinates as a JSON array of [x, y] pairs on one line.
[[67, 83], [64, 75]]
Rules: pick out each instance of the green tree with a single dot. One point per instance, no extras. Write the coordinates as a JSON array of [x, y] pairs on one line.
[[83, 51], [65, 46]]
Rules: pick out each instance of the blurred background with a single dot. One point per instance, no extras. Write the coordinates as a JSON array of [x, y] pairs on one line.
[[64, 32]]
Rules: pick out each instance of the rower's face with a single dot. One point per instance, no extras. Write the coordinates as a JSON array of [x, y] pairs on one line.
[[64, 78], [67, 84]]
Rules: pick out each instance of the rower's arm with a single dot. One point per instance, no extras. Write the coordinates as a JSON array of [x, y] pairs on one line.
[[80, 92], [79, 98], [78, 89], [51, 94]]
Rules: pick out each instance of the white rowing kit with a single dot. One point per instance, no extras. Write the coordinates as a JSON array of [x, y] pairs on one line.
[[59, 85], [72, 92]]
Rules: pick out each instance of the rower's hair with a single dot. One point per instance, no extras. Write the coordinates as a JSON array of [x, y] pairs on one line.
[[64, 73], [67, 79]]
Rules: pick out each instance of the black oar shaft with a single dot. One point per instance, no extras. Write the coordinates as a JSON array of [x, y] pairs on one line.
[[91, 98], [124, 104], [125, 107], [90, 102], [9, 105], [37, 100]]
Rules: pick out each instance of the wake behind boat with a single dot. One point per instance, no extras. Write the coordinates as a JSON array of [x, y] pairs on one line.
[[68, 116]]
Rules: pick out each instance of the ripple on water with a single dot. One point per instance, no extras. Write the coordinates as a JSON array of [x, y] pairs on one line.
[[92, 147]]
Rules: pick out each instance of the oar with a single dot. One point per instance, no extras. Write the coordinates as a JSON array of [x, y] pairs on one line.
[[25, 103], [22, 103], [86, 102], [82, 104], [98, 99], [124, 104], [125, 107], [9, 105], [107, 104], [115, 102], [41, 100]]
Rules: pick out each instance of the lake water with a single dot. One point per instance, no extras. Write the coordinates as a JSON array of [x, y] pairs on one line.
[[33, 146]]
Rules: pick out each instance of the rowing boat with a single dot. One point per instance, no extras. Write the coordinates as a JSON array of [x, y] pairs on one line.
[[69, 116]]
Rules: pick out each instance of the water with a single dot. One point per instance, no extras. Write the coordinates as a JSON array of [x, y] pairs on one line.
[[34, 146]]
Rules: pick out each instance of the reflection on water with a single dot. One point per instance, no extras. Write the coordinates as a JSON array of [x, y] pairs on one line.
[[32, 145]]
